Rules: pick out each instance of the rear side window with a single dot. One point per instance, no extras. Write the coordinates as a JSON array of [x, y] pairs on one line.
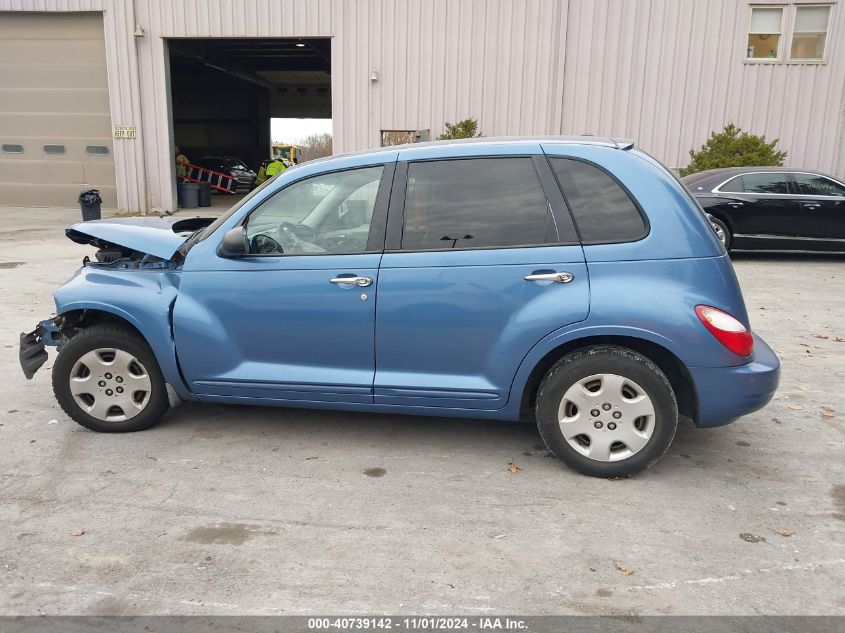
[[602, 209], [475, 203], [813, 185], [757, 183]]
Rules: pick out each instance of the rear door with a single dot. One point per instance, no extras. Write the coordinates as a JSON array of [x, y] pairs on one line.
[[761, 205], [822, 202], [481, 262]]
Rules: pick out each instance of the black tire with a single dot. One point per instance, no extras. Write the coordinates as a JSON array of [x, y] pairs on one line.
[[607, 359], [726, 232], [109, 336]]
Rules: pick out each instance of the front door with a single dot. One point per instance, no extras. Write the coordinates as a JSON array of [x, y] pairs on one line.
[[294, 319], [822, 203], [482, 269]]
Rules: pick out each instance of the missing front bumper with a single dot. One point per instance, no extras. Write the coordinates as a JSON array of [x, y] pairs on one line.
[[32, 353]]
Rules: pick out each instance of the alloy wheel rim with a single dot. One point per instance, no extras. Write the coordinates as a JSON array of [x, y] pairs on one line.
[[720, 233], [110, 384], [606, 417]]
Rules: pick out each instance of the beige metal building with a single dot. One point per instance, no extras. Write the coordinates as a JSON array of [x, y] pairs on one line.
[[97, 92]]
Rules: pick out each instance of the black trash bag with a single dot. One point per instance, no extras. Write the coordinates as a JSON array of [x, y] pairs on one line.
[[90, 198]]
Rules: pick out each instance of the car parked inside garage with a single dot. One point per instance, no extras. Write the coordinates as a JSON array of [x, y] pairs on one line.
[[772, 208], [244, 177], [573, 281]]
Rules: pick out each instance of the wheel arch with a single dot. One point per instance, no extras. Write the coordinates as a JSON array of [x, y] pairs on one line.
[[674, 369], [86, 317], [159, 339]]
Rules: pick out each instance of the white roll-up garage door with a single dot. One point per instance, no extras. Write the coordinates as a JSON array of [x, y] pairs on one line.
[[55, 125]]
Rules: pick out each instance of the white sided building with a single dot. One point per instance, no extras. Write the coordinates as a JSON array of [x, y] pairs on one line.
[[96, 93]]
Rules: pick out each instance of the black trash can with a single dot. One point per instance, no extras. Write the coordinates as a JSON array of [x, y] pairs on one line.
[[187, 193], [205, 194], [90, 202]]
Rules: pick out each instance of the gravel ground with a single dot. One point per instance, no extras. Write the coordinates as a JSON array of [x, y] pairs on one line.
[[225, 510]]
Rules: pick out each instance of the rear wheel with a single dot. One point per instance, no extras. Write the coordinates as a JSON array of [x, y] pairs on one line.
[[606, 411], [107, 379], [722, 232]]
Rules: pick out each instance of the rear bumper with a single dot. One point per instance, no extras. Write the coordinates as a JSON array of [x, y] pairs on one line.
[[727, 393]]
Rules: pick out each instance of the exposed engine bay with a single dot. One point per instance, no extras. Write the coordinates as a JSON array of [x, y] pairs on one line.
[[112, 255]]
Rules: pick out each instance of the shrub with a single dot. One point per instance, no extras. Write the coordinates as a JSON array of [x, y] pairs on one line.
[[468, 128], [734, 148]]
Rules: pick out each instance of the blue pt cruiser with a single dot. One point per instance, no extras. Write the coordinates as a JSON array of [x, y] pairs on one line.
[[569, 280]]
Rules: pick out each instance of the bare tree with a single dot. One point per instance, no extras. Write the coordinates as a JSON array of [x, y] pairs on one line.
[[316, 146]]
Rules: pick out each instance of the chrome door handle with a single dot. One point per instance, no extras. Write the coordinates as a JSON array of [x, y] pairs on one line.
[[561, 278], [361, 282], [811, 205]]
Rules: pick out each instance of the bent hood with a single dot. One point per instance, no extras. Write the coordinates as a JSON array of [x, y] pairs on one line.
[[156, 236]]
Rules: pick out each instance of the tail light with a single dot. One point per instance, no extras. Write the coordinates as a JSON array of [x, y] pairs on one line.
[[727, 330]]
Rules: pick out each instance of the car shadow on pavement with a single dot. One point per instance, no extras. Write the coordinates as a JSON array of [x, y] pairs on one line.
[[306, 432]]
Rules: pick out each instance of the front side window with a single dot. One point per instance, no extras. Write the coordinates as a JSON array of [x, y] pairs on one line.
[[328, 214], [809, 32], [757, 183], [602, 210], [815, 185], [764, 33], [475, 203]]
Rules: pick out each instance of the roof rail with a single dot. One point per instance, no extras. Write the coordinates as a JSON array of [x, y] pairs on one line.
[[623, 143]]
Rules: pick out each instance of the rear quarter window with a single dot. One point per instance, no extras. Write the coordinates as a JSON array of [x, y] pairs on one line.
[[603, 211]]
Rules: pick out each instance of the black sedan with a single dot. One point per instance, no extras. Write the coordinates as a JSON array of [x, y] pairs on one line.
[[244, 177], [772, 208]]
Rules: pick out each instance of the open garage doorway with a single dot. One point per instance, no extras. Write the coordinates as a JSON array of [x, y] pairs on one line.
[[226, 91]]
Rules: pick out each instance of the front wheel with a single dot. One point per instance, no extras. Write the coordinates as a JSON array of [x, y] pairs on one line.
[[606, 411], [107, 379]]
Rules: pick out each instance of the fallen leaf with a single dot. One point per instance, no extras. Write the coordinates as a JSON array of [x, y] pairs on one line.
[[828, 414], [839, 339], [78, 532], [821, 336], [785, 532], [48, 366], [803, 345], [53, 422], [827, 408], [624, 570], [513, 468], [748, 537], [796, 407]]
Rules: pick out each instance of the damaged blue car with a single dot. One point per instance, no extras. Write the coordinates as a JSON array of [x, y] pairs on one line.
[[574, 282]]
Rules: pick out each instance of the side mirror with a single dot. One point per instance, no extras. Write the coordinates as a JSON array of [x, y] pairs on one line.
[[234, 243]]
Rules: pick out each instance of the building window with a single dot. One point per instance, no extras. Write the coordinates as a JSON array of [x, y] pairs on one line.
[[764, 33], [97, 150], [12, 148], [54, 149], [809, 32], [402, 137]]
